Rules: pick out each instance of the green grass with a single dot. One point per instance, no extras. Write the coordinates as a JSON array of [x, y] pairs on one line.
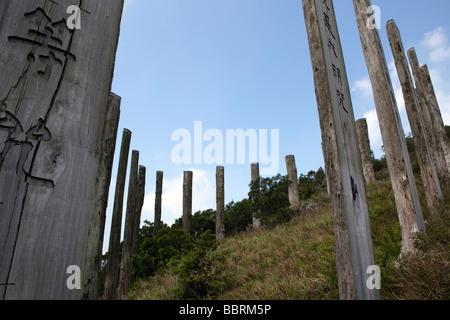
[[296, 260]]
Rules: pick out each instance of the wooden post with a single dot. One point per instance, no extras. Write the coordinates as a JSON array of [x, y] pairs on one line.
[[436, 148], [158, 196], [220, 203], [187, 201], [53, 109], [430, 178], [109, 147], [291, 168], [140, 195], [366, 154], [436, 113], [397, 156], [326, 174], [127, 245], [254, 168], [114, 250], [354, 251]]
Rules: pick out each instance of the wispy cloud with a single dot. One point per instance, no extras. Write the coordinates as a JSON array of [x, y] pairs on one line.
[[436, 42]]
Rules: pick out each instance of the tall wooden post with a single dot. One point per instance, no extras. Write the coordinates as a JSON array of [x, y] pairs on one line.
[[114, 250], [436, 113], [53, 109], [254, 172], [397, 156], [220, 203], [127, 245], [436, 148], [109, 147], [187, 201], [354, 250], [427, 169], [291, 168], [140, 195], [366, 154], [158, 196]]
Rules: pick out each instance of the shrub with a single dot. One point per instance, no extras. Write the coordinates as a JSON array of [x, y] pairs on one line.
[[198, 273], [167, 247]]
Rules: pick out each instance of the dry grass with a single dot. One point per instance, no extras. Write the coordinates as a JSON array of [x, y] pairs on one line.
[[296, 260]]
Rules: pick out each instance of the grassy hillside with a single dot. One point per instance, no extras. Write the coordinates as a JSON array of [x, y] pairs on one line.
[[293, 256], [296, 260]]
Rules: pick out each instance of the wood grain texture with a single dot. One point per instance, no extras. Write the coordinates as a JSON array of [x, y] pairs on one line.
[[397, 156], [354, 249], [53, 109], [428, 172], [114, 249]]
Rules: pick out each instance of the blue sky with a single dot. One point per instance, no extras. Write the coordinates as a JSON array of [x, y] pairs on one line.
[[245, 64]]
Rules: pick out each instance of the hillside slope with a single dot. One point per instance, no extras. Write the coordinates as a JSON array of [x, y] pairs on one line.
[[296, 260]]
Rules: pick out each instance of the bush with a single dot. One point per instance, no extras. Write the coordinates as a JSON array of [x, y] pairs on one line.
[[201, 222], [238, 216], [167, 247], [271, 200], [198, 273]]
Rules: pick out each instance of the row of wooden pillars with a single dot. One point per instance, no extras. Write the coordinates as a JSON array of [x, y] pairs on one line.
[[118, 267], [346, 162]]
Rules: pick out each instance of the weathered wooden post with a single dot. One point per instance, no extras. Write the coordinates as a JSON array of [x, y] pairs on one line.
[[53, 110], [109, 147], [326, 174], [397, 156], [291, 168], [220, 202], [187, 201], [366, 154], [436, 113], [114, 250], [437, 150], [354, 251], [430, 178], [158, 196], [140, 195], [127, 245], [254, 172]]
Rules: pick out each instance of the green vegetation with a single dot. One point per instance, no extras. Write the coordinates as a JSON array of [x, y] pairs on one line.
[[292, 256]]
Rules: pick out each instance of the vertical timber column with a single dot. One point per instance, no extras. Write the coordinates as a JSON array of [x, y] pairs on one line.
[[436, 148], [254, 172], [53, 109], [428, 172], [187, 201], [327, 179], [158, 196], [220, 203], [436, 113], [109, 147], [397, 156], [293, 181], [114, 250], [127, 245], [354, 250], [364, 146], [140, 195]]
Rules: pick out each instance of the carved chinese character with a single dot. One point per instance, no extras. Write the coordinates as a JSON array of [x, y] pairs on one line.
[[341, 99], [47, 37], [39, 132]]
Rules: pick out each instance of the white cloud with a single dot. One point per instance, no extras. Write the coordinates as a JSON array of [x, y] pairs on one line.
[[363, 87], [436, 42], [203, 196]]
